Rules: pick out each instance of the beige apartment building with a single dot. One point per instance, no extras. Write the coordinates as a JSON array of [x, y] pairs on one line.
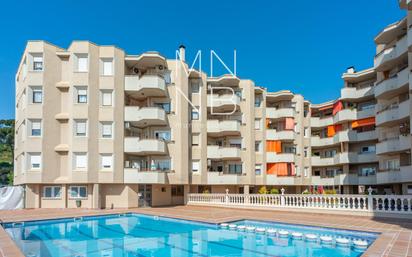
[[99, 128]]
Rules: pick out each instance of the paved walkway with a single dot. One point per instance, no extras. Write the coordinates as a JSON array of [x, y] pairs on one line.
[[395, 240]]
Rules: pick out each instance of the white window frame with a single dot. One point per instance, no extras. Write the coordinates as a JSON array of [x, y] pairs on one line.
[[36, 121], [103, 159], [76, 165], [31, 162], [195, 114], [103, 62], [35, 90], [78, 90], [37, 58], [103, 124], [103, 99], [78, 196], [196, 166], [82, 68], [258, 124], [76, 123], [53, 192]]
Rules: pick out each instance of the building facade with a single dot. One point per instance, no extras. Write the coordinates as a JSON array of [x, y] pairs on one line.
[[100, 128]]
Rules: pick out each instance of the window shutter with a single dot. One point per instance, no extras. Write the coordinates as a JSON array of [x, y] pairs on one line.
[[107, 68], [81, 127], [106, 161], [107, 98], [107, 129], [35, 125], [37, 58], [35, 160], [81, 161], [82, 64]]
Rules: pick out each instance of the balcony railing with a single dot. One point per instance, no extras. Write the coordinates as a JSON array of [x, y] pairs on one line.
[[353, 204]]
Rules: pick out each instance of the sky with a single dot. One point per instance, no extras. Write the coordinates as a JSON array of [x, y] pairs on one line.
[[303, 46]]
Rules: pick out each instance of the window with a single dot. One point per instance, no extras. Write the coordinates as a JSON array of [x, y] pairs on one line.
[[392, 164], [368, 149], [235, 168], [258, 146], [306, 132], [107, 98], [195, 166], [163, 135], [36, 95], [164, 106], [195, 86], [37, 62], [195, 114], [80, 161], [161, 165], [52, 192], [257, 123], [367, 171], [330, 153], [305, 151], [258, 169], [106, 129], [106, 160], [35, 128], [258, 101], [195, 139], [78, 192], [81, 95], [81, 128], [305, 171], [178, 190], [107, 66], [35, 161], [82, 63]]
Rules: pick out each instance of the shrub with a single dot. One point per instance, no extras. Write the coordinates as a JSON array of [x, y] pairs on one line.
[[274, 191], [330, 192], [262, 190]]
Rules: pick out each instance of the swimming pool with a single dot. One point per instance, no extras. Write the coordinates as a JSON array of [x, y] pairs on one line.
[[144, 235]]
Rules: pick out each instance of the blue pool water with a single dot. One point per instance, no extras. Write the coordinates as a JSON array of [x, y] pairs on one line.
[[142, 235]]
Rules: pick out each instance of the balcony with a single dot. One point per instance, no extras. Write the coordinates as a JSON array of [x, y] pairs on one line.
[[223, 127], [394, 145], [388, 57], [277, 113], [321, 122], [342, 136], [393, 113], [362, 157], [132, 175], [355, 93], [144, 146], [391, 87], [362, 136], [280, 157], [281, 181], [219, 178], [286, 135], [223, 101], [145, 116], [146, 85], [401, 175], [226, 153], [340, 158]]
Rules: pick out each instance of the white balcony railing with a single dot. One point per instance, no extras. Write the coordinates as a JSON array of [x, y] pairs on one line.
[[272, 134], [355, 93], [218, 152], [218, 178], [388, 86], [393, 113], [353, 204], [145, 115], [280, 157], [276, 113], [144, 146], [339, 158], [223, 126], [390, 54], [396, 144], [144, 177], [148, 85], [215, 100]]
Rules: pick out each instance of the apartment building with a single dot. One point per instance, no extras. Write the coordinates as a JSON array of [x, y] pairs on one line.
[[100, 128]]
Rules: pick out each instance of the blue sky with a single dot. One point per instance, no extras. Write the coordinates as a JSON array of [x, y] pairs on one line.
[[303, 46]]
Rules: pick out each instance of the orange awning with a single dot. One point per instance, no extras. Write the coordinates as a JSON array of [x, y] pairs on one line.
[[274, 146], [363, 122], [280, 169], [333, 129], [325, 107], [337, 107]]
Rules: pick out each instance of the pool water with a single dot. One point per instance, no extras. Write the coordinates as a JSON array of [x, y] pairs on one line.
[[144, 235]]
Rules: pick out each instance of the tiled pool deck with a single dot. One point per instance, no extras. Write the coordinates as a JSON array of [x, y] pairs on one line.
[[395, 239]]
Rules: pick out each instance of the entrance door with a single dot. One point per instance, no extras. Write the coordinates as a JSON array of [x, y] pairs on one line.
[[145, 195]]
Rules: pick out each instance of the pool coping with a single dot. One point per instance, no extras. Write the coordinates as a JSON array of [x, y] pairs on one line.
[[379, 247]]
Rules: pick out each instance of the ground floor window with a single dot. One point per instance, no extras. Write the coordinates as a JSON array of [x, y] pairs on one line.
[[52, 192], [78, 192], [178, 190]]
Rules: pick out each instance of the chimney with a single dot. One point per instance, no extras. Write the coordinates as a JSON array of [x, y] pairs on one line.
[[182, 52], [350, 69]]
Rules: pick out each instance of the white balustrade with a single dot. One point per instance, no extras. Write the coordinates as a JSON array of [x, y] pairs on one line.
[[353, 203]]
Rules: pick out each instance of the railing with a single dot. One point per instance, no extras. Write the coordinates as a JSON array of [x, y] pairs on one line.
[[354, 203]]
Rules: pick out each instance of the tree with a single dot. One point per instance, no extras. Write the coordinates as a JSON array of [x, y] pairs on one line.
[[6, 151]]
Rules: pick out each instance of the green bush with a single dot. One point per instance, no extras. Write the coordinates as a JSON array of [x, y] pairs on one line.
[[274, 191], [262, 190]]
